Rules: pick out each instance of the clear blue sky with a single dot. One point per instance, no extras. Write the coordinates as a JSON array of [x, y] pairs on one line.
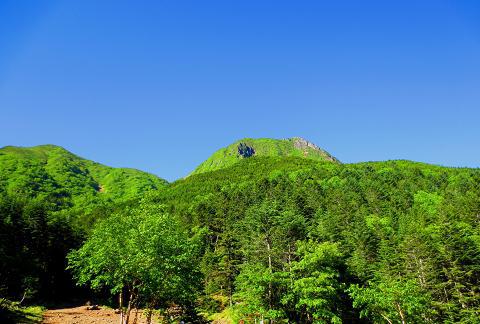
[[160, 85]]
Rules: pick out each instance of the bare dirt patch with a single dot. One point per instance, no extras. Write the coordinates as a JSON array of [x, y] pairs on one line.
[[80, 315]]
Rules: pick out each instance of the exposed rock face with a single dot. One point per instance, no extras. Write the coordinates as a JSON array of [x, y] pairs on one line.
[[245, 151], [301, 143]]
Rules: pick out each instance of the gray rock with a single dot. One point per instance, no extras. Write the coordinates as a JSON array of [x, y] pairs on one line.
[[245, 151]]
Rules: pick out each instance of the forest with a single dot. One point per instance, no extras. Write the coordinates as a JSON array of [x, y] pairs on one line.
[[278, 239]]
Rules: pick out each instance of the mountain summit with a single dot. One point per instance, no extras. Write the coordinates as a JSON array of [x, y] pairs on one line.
[[264, 147]]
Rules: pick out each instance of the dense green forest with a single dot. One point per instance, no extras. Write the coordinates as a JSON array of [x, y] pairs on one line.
[[280, 238], [49, 201]]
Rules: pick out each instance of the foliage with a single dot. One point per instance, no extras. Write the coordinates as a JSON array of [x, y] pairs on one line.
[[315, 280], [283, 238], [33, 246], [406, 234], [12, 312], [49, 200], [144, 251], [394, 301], [261, 147], [75, 182]]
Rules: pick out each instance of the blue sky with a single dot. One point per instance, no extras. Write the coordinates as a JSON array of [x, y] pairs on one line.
[[160, 85]]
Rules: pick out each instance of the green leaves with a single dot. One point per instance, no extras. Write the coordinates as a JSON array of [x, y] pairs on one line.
[[33, 246], [315, 279], [280, 238], [394, 300], [142, 249], [401, 227], [74, 183]]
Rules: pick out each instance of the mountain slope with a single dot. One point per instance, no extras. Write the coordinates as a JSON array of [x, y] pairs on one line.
[[263, 147], [52, 170], [379, 218]]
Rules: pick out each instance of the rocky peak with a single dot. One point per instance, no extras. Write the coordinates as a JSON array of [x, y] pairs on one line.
[[301, 143]]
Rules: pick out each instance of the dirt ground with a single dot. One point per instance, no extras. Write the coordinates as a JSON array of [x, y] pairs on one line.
[[80, 315]]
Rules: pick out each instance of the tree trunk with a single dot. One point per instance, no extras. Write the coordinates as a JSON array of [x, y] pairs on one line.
[[149, 315], [387, 319], [400, 312], [290, 264], [23, 298], [270, 292], [129, 307], [120, 305], [136, 315]]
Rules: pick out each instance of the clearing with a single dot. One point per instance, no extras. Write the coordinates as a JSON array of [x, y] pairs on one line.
[[80, 315]]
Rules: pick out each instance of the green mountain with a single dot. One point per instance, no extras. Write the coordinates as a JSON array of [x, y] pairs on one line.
[[265, 229], [49, 201], [303, 241], [52, 170], [263, 147]]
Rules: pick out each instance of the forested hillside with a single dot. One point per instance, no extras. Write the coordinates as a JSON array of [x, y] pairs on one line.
[[274, 238], [49, 200], [52, 170], [310, 241]]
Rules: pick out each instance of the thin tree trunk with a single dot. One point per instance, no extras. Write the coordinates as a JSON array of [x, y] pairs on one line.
[[129, 307], [290, 264], [270, 292], [149, 315], [136, 315], [387, 319], [400, 312], [120, 305], [149, 311], [23, 298]]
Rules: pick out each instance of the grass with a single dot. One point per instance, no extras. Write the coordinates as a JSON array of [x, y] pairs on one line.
[[12, 312], [264, 147], [227, 316]]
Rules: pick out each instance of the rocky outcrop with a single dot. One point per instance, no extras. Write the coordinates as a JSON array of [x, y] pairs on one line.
[[301, 143], [245, 151]]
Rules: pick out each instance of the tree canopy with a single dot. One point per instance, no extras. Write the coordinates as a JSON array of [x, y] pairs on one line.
[[279, 239]]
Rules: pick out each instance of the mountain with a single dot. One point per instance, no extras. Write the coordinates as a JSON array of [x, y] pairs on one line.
[[280, 230], [52, 170], [263, 147], [286, 227]]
